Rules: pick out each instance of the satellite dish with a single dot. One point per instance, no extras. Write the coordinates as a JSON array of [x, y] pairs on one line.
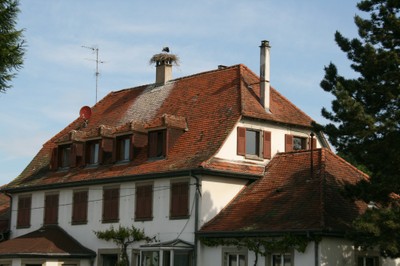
[[85, 112]]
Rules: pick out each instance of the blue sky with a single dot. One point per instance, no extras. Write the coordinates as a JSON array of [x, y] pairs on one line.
[[58, 76]]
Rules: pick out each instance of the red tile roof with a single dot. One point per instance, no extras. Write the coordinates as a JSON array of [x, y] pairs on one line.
[[207, 105], [289, 198], [49, 241], [4, 213]]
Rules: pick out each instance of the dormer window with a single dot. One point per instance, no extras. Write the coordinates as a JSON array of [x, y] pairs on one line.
[[295, 143], [299, 143], [64, 159], [253, 143], [93, 152], [124, 148], [157, 144]]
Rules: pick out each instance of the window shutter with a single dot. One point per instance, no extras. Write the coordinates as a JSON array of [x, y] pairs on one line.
[[24, 212], [288, 142], [131, 147], [72, 155], [267, 145], [241, 141], [164, 142], [110, 204], [152, 144], [144, 202], [54, 159], [79, 208], [51, 209], [78, 148], [107, 144], [179, 199]]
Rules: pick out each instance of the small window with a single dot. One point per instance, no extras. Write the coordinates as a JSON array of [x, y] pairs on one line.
[[24, 211], [144, 202], [93, 152], [64, 159], [109, 259], [51, 209], [368, 261], [253, 144], [179, 208], [80, 207], [281, 259], [157, 144], [150, 258], [235, 258], [123, 148], [299, 143], [110, 205]]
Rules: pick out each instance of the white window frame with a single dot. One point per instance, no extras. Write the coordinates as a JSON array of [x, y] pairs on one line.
[[226, 252]]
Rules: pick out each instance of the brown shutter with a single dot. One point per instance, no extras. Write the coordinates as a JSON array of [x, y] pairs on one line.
[[72, 156], [51, 209], [79, 208], [288, 142], [179, 200], [131, 147], [110, 204], [54, 159], [152, 144], [267, 145], [164, 143], [144, 202], [24, 212], [241, 141], [78, 148]]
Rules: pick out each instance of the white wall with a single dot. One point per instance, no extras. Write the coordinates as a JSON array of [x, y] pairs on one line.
[[216, 193]]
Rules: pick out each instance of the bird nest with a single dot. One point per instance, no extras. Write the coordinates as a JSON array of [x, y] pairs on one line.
[[165, 58]]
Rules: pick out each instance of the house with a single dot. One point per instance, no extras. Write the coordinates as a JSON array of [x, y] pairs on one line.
[[207, 165]]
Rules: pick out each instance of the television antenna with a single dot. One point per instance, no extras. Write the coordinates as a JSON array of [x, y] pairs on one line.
[[97, 73]]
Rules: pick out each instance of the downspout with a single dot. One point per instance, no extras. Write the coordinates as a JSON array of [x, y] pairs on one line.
[[196, 217], [316, 251]]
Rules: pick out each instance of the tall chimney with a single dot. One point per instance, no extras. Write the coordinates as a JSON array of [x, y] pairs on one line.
[[163, 71], [264, 74]]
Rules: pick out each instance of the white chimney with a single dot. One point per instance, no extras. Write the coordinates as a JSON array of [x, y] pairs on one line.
[[264, 74], [163, 71]]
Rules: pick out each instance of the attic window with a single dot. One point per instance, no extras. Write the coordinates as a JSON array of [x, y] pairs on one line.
[[253, 143], [64, 159], [157, 144], [299, 143], [123, 148], [295, 143], [93, 152]]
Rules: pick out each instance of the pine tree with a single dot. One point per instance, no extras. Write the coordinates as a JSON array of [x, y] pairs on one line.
[[11, 43], [365, 118]]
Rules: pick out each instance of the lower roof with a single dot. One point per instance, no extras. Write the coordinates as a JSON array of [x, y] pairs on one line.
[[48, 241]]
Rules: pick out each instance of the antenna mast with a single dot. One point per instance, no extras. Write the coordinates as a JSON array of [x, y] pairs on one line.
[[97, 73]]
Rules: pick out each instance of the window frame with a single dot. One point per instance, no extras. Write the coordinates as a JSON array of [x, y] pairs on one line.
[[111, 202], [121, 143], [228, 251], [91, 151], [64, 159], [51, 208], [262, 143], [144, 198], [270, 256], [24, 212], [179, 199], [107, 252], [157, 144], [80, 199]]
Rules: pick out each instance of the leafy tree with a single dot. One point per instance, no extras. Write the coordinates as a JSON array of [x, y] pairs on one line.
[[11, 43], [365, 118], [123, 237]]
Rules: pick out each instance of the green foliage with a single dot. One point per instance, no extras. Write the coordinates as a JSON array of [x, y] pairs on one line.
[[365, 115], [123, 237], [263, 245], [11, 43]]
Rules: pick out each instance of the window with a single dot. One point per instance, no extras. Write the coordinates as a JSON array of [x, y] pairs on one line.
[[295, 143], [253, 143], [80, 207], [368, 261], [110, 205], [150, 258], [167, 257], [109, 259], [51, 209], [179, 203], [144, 202], [157, 144], [24, 211], [281, 259], [124, 148], [64, 160], [93, 152], [235, 258]]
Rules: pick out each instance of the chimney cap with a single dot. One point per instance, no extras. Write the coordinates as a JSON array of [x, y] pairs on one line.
[[265, 43]]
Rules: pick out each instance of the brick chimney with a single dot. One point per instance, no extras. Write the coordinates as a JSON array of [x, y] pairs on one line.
[[264, 75]]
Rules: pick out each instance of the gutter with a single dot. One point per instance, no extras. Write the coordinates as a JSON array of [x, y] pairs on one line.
[[129, 178]]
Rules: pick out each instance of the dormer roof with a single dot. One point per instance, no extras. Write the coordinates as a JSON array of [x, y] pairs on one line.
[[205, 106]]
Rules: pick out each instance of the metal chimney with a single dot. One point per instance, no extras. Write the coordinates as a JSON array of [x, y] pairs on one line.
[[264, 74]]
